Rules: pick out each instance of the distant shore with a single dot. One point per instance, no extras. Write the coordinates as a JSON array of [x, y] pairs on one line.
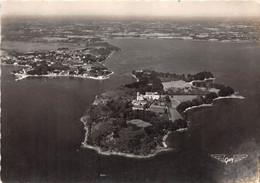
[[23, 76], [187, 39], [15, 65]]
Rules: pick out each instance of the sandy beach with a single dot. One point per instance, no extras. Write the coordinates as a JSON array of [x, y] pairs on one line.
[[218, 98]]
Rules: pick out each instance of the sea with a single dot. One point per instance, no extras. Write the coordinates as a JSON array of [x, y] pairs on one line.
[[41, 131]]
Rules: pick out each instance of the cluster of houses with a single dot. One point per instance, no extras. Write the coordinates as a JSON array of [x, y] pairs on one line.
[[152, 101], [62, 55]]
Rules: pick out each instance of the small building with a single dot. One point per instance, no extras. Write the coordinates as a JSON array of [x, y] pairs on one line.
[[139, 96], [139, 71], [152, 95], [137, 107]]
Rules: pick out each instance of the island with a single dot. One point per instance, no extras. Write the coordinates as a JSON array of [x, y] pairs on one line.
[[135, 120], [86, 62]]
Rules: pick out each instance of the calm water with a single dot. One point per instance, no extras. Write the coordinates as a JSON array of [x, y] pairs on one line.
[[41, 131]]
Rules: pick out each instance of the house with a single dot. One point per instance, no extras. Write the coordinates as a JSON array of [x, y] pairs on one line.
[[148, 96], [137, 107], [152, 95], [142, 100], [139, 71], [139, 96]]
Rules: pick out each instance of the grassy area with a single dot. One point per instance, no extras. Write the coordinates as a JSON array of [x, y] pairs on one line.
[[99, 129], [174, 102], [139, 123], [174, 114], [176, 84], [183, 98]]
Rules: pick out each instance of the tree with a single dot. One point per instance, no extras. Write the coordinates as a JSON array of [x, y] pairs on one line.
[[121, 122], [167, 98], [226, 91], [209, 97], [81, 70], [183, 105], [173, 127], [149, 130], [181, 123]]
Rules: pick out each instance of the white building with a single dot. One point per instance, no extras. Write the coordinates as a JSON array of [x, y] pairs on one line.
[[148, 96], [142, 100]]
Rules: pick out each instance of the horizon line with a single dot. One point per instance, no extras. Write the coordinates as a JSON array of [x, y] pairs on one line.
[[125, 16]]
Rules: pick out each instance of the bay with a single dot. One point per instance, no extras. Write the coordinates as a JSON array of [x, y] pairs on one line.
[[42, 133]]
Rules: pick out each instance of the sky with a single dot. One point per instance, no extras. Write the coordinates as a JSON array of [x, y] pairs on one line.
[[177, 8]]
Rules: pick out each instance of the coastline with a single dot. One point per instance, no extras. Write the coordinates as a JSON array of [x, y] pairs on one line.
[[137, 80], [84, 144], [230, 97], [198, 106], [14, 65], [164, 139], [23, 76], [206, 79], [184, 39], [218, 98]]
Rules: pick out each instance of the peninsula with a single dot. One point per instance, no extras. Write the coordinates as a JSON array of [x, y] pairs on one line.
[[83, 62], [135, 120]]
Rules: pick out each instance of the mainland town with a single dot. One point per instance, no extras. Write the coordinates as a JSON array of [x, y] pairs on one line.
[[84, 62]]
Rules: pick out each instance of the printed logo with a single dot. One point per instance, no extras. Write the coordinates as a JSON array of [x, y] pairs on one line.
[[224, 159]]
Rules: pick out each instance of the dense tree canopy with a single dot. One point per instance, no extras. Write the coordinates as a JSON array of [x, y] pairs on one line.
[[225, 91]]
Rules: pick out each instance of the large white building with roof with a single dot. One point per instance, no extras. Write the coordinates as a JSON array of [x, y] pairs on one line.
[[148, 96]]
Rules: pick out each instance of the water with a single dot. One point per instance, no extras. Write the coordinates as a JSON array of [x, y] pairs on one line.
[[41, 131]]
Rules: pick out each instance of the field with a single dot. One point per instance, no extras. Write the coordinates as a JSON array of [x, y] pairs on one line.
[[176, 84], [139, 123], [183, 98], [174, 114], [174, 102]]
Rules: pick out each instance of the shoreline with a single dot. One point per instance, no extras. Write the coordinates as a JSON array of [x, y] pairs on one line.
[[197, 106], [165, 138], [98, 150], [23, 76], [14, 65], [206, 79], [183, 39], [218, 98], [230, 97], [137, 80]]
